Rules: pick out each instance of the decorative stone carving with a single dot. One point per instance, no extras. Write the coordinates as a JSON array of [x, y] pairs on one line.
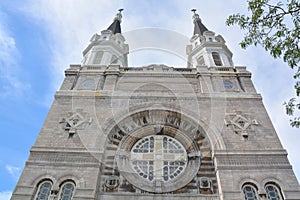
[[158, 67], [73, 121], [205, 185], [240, 123], [129, 169], [95, 37], [88, 84], [112, 182], [157, 123]]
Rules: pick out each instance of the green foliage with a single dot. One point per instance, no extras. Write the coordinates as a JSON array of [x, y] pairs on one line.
[[277, 28], [290, 109]]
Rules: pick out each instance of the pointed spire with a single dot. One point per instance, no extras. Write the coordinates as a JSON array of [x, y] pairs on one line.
[[199, 28], [115, 27]]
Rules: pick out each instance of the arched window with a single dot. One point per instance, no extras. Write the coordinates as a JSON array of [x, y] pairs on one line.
[[217, 58], [250, 192], [66, 191], [43, 190], [273, 192]]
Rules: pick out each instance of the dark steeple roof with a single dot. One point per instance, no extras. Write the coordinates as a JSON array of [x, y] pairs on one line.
[[199, 28], [115, 27]]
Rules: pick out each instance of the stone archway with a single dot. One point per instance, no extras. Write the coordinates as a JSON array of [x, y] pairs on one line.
[[160, 125]]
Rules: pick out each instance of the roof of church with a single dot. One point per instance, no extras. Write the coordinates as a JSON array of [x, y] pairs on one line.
[[199, 28], [115, 27]]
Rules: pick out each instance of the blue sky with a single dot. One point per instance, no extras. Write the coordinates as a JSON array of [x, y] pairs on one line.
[[39, 39]]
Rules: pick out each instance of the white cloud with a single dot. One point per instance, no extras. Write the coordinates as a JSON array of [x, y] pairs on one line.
[[5, 195], [13, 171], [8, 46], [9, 69], [69, 25]]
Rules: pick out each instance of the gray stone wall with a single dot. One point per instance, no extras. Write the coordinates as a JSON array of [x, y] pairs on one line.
[[94, 99]]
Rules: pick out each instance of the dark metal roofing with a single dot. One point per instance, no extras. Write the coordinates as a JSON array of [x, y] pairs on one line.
[[115, 27], [199, 28]]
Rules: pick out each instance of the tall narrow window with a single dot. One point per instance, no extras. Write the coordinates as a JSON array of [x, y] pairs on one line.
[[273, 193], [98, 57], [114, 59], [200, 61], [217, 58], [250, 192], [66, 191], [43, 191]]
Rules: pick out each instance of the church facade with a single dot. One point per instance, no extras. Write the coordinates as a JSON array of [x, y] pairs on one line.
[[157, 132]]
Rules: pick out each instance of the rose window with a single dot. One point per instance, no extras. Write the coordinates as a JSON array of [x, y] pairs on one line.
[[158, 158]]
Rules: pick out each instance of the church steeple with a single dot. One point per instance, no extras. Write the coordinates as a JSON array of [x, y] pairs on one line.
[[109, 47], [199, 28], [115, 27], [206, 49]]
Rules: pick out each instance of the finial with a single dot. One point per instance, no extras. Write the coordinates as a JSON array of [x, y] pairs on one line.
[[195, 16], [119, 15]]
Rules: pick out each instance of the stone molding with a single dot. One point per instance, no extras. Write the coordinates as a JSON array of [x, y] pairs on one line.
[[63, 159], [123, 196], [179, 95], [253, 159]]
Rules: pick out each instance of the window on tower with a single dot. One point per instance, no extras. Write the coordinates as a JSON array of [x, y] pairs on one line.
[[66, 191], [98, 57], [217, 58], [273, 192], [114, 60], [250, 192], [43, 190]]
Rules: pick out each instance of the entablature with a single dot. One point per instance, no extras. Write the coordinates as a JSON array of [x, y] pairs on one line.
[[158, 69]]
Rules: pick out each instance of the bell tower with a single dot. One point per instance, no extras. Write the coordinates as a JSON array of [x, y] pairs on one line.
[[107, 48], [206, 48]]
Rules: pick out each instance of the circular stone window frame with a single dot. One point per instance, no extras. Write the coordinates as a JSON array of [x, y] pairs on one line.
[[156, 159], [125, 167]]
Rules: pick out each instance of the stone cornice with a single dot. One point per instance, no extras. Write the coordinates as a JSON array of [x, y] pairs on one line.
[[159, 70], [265, 159], [107, 94], [44, 157]]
